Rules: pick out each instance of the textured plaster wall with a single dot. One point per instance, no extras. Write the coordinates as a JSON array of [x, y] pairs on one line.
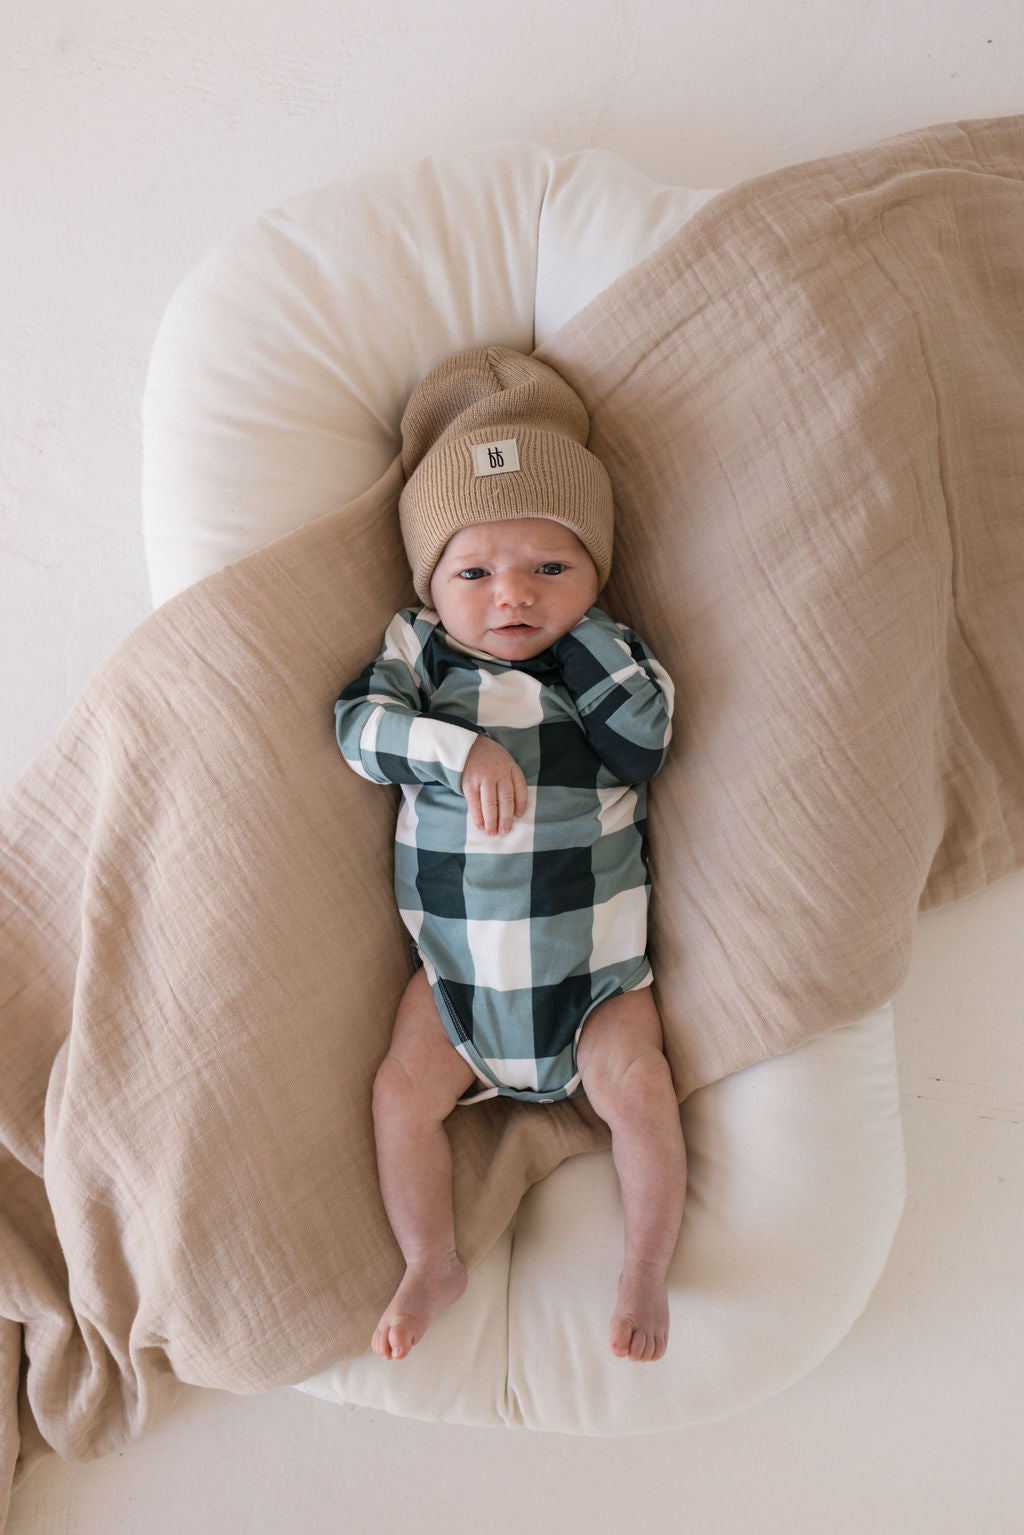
[[136, 133]]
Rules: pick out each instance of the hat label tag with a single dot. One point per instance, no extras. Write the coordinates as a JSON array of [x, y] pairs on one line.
[[495, 457]]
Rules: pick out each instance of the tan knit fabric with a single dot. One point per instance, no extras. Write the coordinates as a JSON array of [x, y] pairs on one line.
[[490, 395]]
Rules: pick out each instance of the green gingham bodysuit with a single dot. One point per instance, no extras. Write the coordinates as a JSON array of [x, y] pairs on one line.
[[521, 934]]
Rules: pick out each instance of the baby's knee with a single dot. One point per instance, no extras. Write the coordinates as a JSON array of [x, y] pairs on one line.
[[422, 1093], [626, 1092], [394, 1091]]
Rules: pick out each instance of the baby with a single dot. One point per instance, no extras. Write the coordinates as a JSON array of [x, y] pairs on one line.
[[522, 724]]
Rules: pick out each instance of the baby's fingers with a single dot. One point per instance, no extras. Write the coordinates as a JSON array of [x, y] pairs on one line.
[[522, 798], [494, 786], [486, 808], [504, 808], [473, 803], [513, 799], [496, 806], [507, 811]]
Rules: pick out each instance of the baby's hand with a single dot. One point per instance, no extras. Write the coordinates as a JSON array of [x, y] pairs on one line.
[[494, 786]]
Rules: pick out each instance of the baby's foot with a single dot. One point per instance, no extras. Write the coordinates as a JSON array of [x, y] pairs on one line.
[[425, 1290], [639, 1329]]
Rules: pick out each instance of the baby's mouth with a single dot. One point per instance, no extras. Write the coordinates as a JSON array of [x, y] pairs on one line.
[[516, 629]]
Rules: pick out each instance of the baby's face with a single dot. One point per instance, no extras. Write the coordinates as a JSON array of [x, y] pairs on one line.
[[513, 588]]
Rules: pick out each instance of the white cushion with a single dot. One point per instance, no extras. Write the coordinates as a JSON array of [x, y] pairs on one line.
[[276, 386], [796, 1187], [282, 367]]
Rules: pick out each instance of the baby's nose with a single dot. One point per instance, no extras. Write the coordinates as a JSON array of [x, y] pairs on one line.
[[515, 591]]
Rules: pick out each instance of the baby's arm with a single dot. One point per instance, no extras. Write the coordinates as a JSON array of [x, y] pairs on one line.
[[386, 735], [623, 694], [382, 726]]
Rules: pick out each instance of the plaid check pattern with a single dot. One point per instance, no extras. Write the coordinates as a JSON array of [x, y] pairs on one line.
[[522, 935]]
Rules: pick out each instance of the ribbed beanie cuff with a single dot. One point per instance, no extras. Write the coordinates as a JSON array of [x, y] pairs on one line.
[[488, 399]]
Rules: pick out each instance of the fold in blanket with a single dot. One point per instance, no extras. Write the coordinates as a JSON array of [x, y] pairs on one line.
[[810, 403]]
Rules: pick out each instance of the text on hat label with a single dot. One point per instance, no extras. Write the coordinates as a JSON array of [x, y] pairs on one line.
[[495, 457]]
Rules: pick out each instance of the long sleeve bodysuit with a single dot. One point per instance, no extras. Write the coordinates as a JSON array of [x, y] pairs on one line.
[[521, 934]]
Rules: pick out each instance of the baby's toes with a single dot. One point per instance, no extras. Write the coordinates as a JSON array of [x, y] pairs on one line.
[[623, 1332], [647, 1346]]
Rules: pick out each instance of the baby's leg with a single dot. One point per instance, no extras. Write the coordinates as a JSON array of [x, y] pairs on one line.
[[628, 1082], [418, 1084]]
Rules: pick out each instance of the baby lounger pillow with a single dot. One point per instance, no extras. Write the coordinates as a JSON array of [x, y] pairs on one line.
[[277, 383]]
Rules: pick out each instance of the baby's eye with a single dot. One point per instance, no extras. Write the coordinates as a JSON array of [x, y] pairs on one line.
[[473, 573], [552, 568]]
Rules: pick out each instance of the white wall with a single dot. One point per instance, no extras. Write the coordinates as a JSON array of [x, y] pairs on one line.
[[135, 134]]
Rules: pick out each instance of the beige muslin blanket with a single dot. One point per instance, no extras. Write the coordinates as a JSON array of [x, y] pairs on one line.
[[811, 404]]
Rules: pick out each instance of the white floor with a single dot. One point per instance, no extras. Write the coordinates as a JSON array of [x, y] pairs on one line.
[[911, 1427], [142, 131]]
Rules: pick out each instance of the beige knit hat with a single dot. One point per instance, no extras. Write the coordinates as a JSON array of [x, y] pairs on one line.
[[492, 434]]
